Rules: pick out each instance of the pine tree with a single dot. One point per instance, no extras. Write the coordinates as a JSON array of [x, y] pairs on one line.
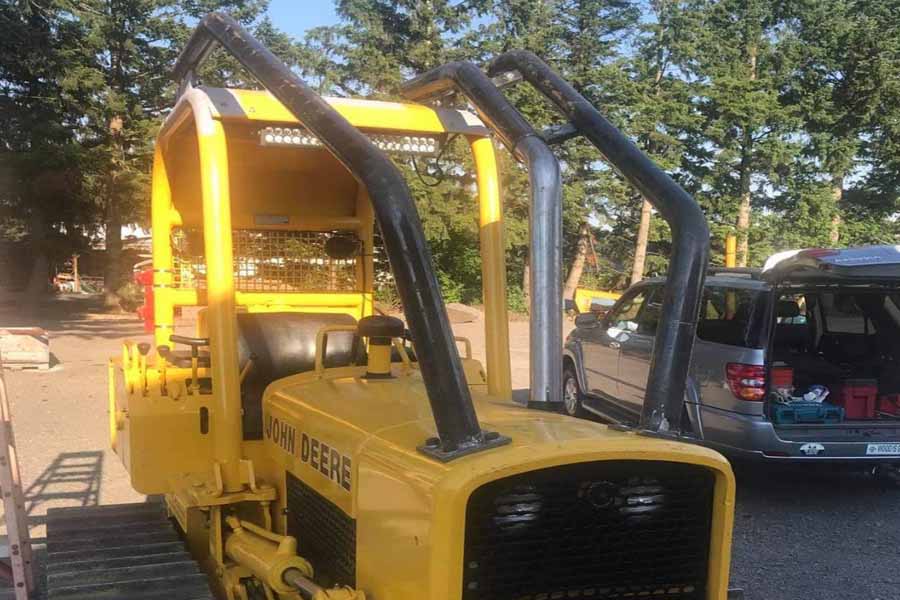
[[746, 136], [662, 108], [120, 74], [593, 35], [845, 85], [41, 195]]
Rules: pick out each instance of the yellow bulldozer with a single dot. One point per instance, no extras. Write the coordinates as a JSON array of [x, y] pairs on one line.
[[299, 445]]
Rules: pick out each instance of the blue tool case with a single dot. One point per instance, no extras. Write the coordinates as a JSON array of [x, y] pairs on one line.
[[805, 412]]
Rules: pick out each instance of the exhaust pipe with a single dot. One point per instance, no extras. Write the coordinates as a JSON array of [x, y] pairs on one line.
[[459, 432], [545, 215], [690, 235]]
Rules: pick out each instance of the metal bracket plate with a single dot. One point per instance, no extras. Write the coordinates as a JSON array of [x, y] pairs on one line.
[[491, 439]]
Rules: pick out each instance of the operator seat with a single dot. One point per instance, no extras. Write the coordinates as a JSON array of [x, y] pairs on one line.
[[281, 344]]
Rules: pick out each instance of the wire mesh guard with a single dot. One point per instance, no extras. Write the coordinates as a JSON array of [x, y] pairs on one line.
[[267, 261]]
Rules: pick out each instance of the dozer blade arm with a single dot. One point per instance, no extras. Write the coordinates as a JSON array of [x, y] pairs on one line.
[[546, 212], [451, 403], [690, 234]]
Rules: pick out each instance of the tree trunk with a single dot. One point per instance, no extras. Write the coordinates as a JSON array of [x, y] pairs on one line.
[[743, 228], [577, 267], [112, 275], [40, 267], [526, 281], [837, 194], [643, 233], [640, 247], [743, 218], [76, 276]]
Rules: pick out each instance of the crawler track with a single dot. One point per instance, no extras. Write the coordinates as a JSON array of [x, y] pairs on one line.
[[119, 552]]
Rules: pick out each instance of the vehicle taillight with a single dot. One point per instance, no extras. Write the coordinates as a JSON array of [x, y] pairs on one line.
[[747, 382]]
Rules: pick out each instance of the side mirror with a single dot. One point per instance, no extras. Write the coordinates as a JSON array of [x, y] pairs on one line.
[[601, 306], [586, 320], [342, 246], [600, 311]]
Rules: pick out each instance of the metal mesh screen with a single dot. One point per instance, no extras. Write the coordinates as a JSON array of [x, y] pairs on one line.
[[267, 261]]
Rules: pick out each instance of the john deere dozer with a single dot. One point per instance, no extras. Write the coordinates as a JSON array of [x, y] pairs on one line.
[[303, 448]]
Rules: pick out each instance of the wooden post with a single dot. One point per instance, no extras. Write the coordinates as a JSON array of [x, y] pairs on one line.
[[76, 279]]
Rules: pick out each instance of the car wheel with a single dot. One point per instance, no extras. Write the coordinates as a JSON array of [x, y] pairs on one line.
[[572, 396], [888, 474]]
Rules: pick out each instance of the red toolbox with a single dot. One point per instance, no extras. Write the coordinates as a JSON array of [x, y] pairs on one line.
[[782, 376], [859, 398]]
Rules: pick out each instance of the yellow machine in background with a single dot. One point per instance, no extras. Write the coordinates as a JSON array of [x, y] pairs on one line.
[[585, 299], [303, 448]]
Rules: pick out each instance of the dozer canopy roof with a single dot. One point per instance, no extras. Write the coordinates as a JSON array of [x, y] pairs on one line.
[[261, 106]]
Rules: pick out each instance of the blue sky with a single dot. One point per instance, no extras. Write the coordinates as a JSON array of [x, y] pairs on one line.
[[296, 16]]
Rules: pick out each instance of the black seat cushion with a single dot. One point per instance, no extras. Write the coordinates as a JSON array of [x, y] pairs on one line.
[[283, 344]]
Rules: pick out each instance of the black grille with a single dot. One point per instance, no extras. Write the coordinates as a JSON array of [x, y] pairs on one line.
[[603, 530], [326, 536]]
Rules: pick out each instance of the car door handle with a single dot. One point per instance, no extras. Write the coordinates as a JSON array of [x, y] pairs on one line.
[[615, 345]]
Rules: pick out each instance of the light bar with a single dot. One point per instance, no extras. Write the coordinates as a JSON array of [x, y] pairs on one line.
[[423, 145]]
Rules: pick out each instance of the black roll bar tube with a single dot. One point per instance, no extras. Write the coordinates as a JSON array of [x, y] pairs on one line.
[[545, 215], [451, 403], [677, 327]]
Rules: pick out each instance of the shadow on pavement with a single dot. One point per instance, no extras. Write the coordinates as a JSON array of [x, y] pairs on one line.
[[72, 479], [82, 316]]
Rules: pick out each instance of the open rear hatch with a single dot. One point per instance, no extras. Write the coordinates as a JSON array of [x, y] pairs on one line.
[[836, 332]]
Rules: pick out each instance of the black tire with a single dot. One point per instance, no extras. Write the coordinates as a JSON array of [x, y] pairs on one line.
[[887, 474], [573, 399]]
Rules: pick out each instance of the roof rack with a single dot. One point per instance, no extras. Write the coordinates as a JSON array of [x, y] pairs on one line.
[[753, 272]]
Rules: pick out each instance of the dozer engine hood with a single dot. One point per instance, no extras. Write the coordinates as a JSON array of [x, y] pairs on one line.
[[567, 506]]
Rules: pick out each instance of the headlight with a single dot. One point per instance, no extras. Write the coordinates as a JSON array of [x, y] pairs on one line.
[[421, 145]]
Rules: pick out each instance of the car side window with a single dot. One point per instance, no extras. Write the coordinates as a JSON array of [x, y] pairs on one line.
[[648, 320], [725, 315], [624, 317]]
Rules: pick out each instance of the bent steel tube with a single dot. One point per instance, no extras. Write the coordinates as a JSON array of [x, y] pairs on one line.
[[545, 285], [439, 362], [690, 235]]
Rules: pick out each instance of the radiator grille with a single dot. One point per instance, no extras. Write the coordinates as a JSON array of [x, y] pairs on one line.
[[601, 531], [326, 536], [267, 261]]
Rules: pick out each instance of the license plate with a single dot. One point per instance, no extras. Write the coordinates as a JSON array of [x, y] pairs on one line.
[[882, 449]]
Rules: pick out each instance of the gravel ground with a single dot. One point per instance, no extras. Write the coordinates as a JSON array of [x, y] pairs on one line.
[[799, 535], [804, 534]]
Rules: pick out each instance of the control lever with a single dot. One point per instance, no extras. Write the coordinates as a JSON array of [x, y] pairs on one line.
[[195, 344], [143, 349]]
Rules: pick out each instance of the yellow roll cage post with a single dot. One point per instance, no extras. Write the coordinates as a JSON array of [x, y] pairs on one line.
[[200, 181], [218, 113]]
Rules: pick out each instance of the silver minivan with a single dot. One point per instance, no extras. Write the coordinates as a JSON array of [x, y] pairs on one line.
[[824, 326]]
